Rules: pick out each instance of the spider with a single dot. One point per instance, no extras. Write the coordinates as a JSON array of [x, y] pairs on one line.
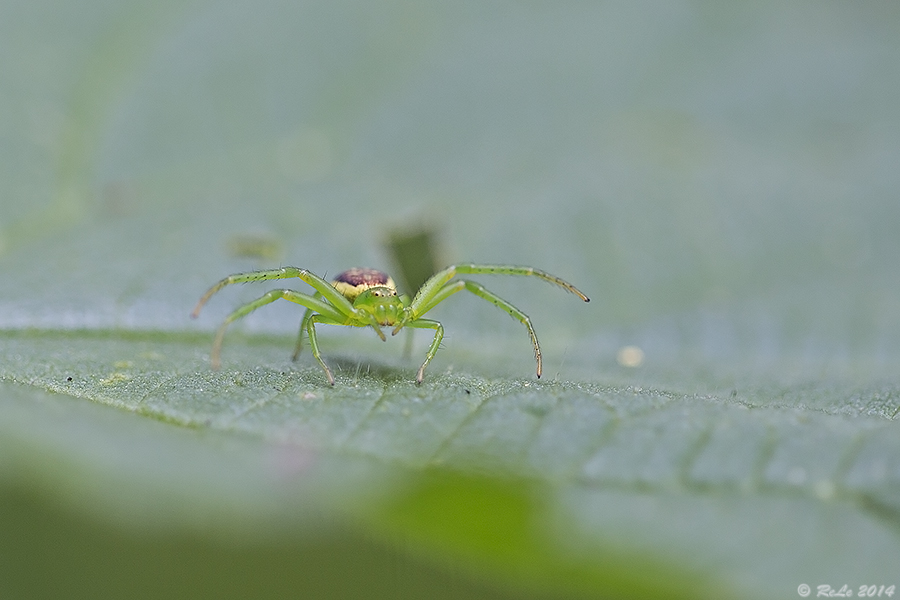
[[368, 298]]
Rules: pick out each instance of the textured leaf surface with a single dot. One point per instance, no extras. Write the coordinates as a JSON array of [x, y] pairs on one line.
[[721, 182]]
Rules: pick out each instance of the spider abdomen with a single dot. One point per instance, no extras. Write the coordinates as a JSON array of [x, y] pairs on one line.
[[352, 282]]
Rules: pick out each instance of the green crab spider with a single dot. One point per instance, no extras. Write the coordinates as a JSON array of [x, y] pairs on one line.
[[368, 298]]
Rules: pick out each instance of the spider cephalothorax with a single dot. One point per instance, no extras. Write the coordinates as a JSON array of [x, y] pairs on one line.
[[369, 290], [368, 298]]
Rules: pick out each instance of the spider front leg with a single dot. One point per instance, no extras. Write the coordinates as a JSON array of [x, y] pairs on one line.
[[321, 286], [437, 281], [423, 304], [308, 301]]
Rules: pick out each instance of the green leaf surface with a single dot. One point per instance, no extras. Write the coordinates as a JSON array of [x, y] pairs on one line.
[[719, 421]]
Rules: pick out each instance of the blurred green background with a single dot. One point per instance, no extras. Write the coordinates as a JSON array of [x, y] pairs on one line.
[[721, 179]]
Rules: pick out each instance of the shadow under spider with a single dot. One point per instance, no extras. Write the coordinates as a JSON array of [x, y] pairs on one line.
[[349, 368]]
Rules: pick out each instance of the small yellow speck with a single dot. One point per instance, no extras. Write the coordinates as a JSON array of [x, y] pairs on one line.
[[116, 378], [123, 364], [630, 356]]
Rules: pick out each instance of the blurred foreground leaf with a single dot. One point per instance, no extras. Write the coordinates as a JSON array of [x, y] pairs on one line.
[[606, 486]]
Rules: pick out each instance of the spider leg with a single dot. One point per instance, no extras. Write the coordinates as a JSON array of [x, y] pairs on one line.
[[320, 285], [437, 281], [512, 270], [479, 290], [306, 315], [435, 344], [308, 301], [314, 342], [442, 294]]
